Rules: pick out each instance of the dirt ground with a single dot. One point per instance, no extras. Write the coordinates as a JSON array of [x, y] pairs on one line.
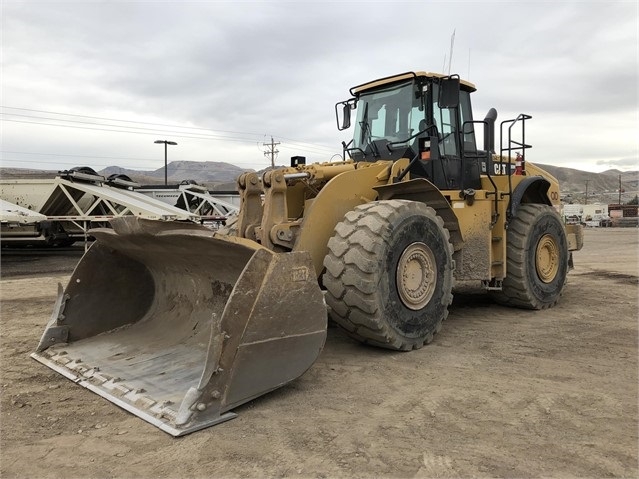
[[499, 393]]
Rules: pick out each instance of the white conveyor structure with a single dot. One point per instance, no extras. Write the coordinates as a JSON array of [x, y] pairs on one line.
[[74, 202]]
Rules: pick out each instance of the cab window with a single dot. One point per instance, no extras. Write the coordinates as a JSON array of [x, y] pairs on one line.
[[444, 119]]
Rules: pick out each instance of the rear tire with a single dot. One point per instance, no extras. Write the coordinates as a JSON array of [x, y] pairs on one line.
[[389, 274], [537, 259]]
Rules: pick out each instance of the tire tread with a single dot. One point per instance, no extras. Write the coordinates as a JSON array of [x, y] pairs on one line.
[[353, 288]]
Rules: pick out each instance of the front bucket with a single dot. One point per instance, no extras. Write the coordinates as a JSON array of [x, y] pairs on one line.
[[179, 325]]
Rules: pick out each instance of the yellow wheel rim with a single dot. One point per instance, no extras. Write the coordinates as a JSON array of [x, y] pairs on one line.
[[547, 258], [416, 276]]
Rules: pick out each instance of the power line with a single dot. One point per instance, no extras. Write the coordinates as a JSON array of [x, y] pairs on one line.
[[128, 129], [78, 156], [67, 163], [4, 158], [108, 125], [135, 167], [142, 169], [124, 121], [74, 121], [148, 131]]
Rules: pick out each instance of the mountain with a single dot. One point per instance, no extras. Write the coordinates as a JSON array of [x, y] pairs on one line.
[[208, 173], [602, 187], [26, 173]]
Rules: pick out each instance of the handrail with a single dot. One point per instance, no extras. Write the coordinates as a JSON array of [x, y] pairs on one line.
[[513, 145]]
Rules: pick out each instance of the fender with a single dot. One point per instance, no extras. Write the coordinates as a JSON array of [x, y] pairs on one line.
[[533, 189], [422, 190]]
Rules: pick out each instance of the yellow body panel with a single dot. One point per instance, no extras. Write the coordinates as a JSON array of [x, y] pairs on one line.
[[474, 259], [339, 196], [315, 198], [407, 76]]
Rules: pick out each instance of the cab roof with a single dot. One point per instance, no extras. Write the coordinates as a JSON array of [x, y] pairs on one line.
[[465, 85]]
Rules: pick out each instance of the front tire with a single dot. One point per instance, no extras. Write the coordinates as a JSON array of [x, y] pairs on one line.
[[537, 259], [389, 274]]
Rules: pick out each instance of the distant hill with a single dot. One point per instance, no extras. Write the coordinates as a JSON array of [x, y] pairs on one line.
[[28, 173], [602, 187], [208, 173]]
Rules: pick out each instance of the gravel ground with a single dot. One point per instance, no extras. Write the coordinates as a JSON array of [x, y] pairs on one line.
[[500, 393]]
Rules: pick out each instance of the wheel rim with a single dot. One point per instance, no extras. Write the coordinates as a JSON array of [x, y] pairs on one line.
[[547, 258], [416, 276]]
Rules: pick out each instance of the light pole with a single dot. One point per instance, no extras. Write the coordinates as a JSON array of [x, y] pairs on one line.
[[165, 148], [587, 181]]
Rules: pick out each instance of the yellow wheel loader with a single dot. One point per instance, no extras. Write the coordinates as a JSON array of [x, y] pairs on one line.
[[179, 324]]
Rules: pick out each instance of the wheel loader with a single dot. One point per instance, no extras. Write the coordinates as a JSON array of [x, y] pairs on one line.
[[179, 324]]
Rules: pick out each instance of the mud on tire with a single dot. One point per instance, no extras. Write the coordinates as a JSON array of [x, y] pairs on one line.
[[537, 259], [389, 274]]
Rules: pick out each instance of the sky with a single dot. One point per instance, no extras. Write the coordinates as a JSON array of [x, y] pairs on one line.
[[94, 84]]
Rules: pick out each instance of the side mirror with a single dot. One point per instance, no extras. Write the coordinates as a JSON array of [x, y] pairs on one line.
[[346, 120], [449, 92], [344, 116]]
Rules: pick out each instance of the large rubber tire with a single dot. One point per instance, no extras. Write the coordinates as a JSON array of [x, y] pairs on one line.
[[389, 274], [537, 259]]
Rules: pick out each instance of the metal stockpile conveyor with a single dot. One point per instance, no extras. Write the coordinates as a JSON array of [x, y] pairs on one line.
[[73, 203]]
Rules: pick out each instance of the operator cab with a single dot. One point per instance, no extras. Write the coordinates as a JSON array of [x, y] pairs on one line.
[[424, 117]]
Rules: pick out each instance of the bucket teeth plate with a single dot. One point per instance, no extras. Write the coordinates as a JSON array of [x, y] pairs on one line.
[[179, 325]]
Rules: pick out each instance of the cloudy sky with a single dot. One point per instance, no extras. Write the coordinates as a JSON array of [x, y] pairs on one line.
[[96, 83]]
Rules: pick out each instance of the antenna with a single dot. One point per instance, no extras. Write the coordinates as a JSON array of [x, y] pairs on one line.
[[452, 44], [468, 77]]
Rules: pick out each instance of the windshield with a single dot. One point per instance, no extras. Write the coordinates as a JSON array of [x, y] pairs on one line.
[[393, 114]]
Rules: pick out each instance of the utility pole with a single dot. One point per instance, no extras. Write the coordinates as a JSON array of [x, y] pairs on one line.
[[271, 151], [587, 181], [619, 190]]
